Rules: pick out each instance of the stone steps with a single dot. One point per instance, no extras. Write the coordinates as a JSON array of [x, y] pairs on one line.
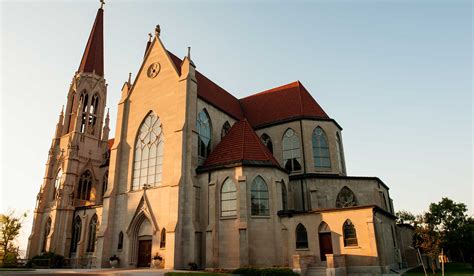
[[316, 271]]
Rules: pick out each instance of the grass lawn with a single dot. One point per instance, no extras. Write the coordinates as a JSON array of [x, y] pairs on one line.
[[449, 269], [16, 269], [194, 273]]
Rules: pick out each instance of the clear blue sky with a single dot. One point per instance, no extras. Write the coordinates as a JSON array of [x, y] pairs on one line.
[[396, 75]]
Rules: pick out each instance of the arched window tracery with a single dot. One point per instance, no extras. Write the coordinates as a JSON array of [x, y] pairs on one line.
[[340, 155], [267, 141], [346, 198], [350, 235], [47, 230], [291, 151], [284, 195], [225, 129], [120, 241], [92, 234], [76, 233], [228, 198], [203, 127], [148, 156], [105, 182], [57, 183], [259, 197], [301, 237], [85, 186], [163, 238], [321, 149]]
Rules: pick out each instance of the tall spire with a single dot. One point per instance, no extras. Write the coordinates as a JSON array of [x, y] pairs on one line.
[[93, 58]]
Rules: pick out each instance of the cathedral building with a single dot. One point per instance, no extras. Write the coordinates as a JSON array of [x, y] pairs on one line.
[[195, 175]]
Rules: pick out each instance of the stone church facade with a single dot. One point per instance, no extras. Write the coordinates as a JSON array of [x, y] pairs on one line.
[[196, 175]]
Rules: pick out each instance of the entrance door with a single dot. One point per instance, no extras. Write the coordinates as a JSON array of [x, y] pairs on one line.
[[325, 244], [144, 253]]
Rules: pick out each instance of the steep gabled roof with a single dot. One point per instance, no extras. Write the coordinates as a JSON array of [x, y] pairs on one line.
[[213, 93], [241, 145], [93, 57], [280, 104]]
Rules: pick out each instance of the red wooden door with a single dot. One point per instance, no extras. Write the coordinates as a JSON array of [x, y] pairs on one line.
[[144, 253], [325, 245]]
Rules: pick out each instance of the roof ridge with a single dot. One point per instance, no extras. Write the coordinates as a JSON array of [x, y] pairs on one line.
[[274, 89]]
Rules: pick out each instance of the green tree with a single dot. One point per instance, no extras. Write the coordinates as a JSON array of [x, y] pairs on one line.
[[9, 232], [405, 217], [451, 220], [428, 238]]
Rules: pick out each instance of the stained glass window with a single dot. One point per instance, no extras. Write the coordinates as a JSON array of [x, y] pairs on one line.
[[148, 159], [259, 197], [321, 149], [291, 151], [228, 199]]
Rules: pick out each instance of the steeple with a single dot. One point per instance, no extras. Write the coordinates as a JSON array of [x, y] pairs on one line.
[[93, 58]]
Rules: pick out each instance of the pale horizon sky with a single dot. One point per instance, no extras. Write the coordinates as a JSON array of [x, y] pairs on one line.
[[396, 75]]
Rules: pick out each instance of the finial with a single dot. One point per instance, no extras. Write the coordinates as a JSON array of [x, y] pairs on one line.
[[130, 78], [62, 110], [189, 52], [102, 3], [157, 30], [108, 112], [150, 36]]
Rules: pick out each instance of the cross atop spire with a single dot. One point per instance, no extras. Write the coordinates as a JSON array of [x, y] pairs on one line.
[[102, 3], [93, 58]]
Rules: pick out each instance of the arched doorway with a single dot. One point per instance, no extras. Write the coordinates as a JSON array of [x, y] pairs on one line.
[[325, 241], [140, 234], [144, 244]]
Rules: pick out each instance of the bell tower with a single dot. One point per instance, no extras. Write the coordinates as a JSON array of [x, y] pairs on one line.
[[75, 176]]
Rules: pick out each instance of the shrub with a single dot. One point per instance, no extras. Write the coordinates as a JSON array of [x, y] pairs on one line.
[[46, 259], [193, 266], [278, 271]]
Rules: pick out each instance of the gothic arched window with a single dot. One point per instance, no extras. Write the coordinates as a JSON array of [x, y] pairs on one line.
[[228, 198], [321, 149], [105, 181], [291, 151], [340, 155], [76, 233], [85, 186], [350, 235], [284, 195], [301, 237], [120, 241], [346, 198], [57, 183], [267, 141], [225, 129], [92, 234], [93, 113], [47, 230], [84, 101], [259, 197], [203, 127], [163, 238], [148, 158]]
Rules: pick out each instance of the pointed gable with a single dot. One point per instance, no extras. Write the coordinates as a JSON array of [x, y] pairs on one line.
[[240, 146], [93, 57], [287, 102]]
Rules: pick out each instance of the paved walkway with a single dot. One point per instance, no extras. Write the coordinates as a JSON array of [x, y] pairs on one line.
[[89, 272]]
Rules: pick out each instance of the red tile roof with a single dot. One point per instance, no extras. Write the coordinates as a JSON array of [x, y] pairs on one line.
[[213, 93], [240, 146], [93, 57], [110, 143], [281, 103]]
